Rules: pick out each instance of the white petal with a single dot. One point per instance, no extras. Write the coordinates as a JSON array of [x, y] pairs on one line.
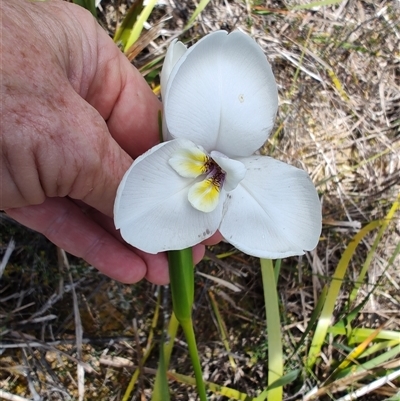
[[174, 53], [222, 95], [234, 169], [274, 212], [152, 209], [189, 162]]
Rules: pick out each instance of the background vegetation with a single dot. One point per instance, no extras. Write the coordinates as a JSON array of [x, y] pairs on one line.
[[337, 65]]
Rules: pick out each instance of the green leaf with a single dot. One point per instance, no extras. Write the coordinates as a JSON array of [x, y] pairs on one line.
[[132, 25], [286, 379], [161, 389], [166, 349], [124, 31], [316, 4], [326, 317], [359, 335], [201, 6], [384, 224], [275, 352], [227, 392]]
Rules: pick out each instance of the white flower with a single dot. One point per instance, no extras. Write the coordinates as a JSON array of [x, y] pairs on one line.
[[220, 100]]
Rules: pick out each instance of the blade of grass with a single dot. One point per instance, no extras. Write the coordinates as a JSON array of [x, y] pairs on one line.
[[135, 376], [344, 383], [353, 355], [359, 335], [379, 362], [371, 386], [313, 319], [373, 349], [316, 4], [166, 347], [277, 270], [200, 7], [161, 389], [146, 354], [230, 393], [138, 26], [275, 353], [371, 253], [286, 379], [345, 322], [325, 319], [222, 328], [143, 41], [171, 334], [123, 32]]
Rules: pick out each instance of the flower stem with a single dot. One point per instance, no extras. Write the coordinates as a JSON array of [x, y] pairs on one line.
[[181, 274]]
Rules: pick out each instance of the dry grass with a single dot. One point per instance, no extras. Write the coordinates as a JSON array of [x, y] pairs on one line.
[[338, 71]]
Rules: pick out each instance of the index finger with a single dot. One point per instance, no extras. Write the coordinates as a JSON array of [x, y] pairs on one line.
[[124, 99]]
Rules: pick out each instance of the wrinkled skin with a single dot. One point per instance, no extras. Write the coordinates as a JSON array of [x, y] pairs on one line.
[[74, 114]]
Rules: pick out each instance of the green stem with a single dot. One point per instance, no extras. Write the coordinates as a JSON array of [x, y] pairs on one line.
[[181, 275], [181, 272]]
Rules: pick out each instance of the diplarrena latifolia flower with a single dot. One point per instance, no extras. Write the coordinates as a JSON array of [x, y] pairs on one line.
[[219, 104]]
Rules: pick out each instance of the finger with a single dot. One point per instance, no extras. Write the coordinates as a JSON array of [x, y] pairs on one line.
[[157, 265], [64, 224], [133, 120], [198, 253], [123, 98], [214, 239]]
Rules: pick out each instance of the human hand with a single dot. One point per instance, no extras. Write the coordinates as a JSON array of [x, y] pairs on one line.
[[75, 112]]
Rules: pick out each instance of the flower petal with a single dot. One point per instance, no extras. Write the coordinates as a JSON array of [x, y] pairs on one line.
[[234, 169], [152, 209], [189, 162], [274, 212], [175, 51], [222, 95]]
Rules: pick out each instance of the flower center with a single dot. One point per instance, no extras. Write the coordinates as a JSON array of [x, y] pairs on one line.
[[222, 173]]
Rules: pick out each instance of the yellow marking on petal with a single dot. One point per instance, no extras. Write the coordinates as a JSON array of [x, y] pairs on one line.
[[189, 162], [204, 195]]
